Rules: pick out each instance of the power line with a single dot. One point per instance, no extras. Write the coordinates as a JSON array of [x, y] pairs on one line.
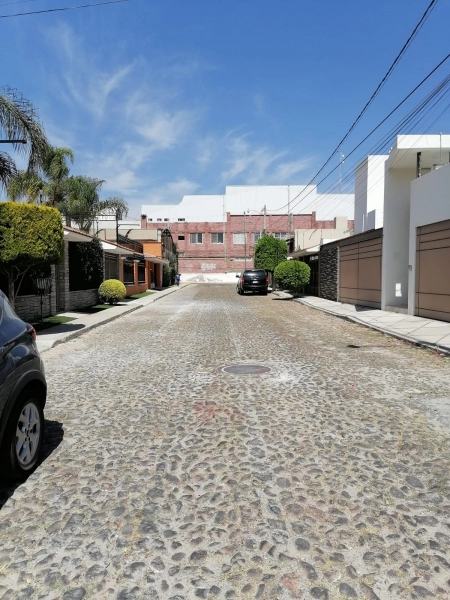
[[369, 134], [441, 88], [49, 10], [380, 85], [16, 2]]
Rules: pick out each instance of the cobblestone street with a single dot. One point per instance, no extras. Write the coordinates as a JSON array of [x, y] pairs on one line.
[[326, 478]]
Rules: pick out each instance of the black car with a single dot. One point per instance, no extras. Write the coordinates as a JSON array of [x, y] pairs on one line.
[[23, 393], [252, 280]]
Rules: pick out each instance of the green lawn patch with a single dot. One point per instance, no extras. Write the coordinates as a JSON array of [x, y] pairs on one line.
[[52, 322], [141, 295]]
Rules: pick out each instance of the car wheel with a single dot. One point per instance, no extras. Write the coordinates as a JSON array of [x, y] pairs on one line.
[[23, 437]]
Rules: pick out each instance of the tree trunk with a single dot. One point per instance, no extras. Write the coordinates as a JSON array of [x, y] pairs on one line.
[[11, 296]]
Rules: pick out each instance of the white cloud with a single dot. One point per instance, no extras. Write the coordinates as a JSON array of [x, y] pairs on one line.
[[164, 129], [284, 171], [248, 160]]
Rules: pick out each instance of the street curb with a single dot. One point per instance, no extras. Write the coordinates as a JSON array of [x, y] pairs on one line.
[[399, 336], [75, 334]]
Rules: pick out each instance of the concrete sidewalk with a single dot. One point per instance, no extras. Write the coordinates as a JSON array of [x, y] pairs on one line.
[[417, 330], [48, 338]]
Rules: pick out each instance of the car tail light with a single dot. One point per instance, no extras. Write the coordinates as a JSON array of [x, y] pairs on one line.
[[267, 280], [31, 330], [242, 281]]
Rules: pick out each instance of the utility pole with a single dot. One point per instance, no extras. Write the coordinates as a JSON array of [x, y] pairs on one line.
[[265, 212], [245, 242], [289, 209], [224, 234]]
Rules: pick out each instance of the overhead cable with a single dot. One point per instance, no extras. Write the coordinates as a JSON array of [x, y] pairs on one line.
[[50, 10], [380, 85], [371, 132]]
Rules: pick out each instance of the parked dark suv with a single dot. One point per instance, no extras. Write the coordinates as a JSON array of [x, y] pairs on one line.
[[23, 392], [252, 280]]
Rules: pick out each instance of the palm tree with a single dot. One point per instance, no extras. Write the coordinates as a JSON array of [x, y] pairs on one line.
[[83, 203], [52, 188], [18, 121]]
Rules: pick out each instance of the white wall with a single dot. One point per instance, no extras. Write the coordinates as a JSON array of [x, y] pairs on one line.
[[430, 203], [237, 199], [306, 238], [369, 193], [394, 279]]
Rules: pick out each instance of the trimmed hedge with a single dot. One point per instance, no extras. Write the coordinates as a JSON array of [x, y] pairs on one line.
[[292, 275], [30, 236], [269, 252], [112, 291]]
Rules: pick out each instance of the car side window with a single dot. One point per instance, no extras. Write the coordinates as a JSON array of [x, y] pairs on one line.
[[10, 324]]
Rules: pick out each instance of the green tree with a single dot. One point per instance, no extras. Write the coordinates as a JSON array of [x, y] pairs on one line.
[[51, 188], [18, 121], [83, 204], [30, 236], [292, 275], [269, 252]]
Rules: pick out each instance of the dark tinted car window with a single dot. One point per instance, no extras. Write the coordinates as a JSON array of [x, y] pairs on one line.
[[10, 324]]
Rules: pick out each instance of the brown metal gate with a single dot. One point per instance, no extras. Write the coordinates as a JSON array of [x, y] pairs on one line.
[[433, 271], [360, 270]]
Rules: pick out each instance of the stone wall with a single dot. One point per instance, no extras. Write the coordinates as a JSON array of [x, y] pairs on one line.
[[81, 299], [28, 308], [329, 273]]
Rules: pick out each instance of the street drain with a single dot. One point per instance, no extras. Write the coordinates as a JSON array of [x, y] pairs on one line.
[[245, 369], [352, 346]]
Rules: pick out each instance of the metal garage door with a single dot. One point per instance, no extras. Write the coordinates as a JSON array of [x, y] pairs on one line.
[[360, 272], [433, 271]]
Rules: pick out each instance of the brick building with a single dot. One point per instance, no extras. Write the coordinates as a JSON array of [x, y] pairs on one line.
[[218, 234]]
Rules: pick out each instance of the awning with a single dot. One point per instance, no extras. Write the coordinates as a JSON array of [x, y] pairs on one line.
[[74, 236], [113, 249], [304, 252], [155, 259]]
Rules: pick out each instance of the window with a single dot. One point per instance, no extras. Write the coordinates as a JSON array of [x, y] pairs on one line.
[[111, 266], [182, 219], [238, 238], [181, 238], [280, 236], [128, 271], [149, 219], [217, 238], [256, 237], [166, 219], [141, 271], [159, 219], [196, 238]]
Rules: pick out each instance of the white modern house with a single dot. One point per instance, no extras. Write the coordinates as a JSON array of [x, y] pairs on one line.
[[411, 158], [429, 245], [369, 193]]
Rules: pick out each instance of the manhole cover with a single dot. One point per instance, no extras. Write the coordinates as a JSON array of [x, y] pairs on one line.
[[246, 369]]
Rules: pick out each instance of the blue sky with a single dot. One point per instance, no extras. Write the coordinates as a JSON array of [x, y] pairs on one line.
[[168, 98]]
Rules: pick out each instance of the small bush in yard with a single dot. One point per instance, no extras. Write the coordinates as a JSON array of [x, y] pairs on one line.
[[292, 275], [112, 291]]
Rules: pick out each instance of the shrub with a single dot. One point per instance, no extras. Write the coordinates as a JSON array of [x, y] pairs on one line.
[[112, 291], [292, 275], [30, 236], [269, 252]]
